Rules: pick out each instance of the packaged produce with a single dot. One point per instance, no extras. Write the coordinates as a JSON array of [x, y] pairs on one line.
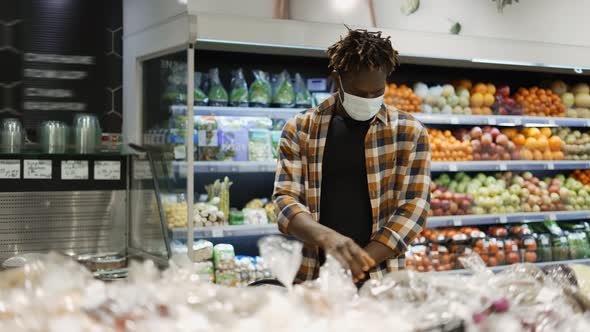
[[205, 271], [275, 138], [260, 94], [255, 216], [283, 92], [271, 212], [577, 240], [218, 194], [239, 89], [202, 251], [201, 98], [256, 203], [224, 262], [236, 217], [559, 242], [208, 215], [302, 95], [208, 139], [544, 251], [175, 78], [217, 93], [259, 145], [234, 138]]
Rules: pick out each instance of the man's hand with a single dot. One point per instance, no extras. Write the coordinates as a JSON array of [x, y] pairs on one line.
[[347, 252]]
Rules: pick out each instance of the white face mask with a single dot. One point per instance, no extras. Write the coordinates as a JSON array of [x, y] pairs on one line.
[[359, 108]]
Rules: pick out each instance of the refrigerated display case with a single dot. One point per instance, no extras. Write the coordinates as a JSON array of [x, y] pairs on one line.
[[198, 42]]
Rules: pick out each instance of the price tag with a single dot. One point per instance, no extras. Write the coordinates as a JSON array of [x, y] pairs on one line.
[[74, 169], [503, 166], [588, 123], [551, 122], [142, 170], [37, 169], [457, 222], [550, 166], [552, 217], [517, 122], [216, 232], [502, 219], [491, 121], [453, 167], [454, 120], [107, 170], [9, 169]]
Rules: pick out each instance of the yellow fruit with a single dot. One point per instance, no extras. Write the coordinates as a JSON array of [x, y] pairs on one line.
[[477, 99], [491, 88], [481, 88], [488, 99], [534, 132], [546, 132]]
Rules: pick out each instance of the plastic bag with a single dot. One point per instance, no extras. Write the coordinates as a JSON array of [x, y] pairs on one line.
[[302, 95], [201, 98], [283, 92], [239, 89], [217, 93], [282, 256], [260, 90]]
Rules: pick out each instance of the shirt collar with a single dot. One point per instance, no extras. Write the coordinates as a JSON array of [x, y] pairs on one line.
[[330, 103]]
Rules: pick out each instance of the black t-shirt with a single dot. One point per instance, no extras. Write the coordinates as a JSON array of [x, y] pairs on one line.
[[344, 202]]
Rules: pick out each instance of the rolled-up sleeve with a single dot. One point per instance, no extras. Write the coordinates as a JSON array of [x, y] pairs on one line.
[[289, 188], [410, 216]]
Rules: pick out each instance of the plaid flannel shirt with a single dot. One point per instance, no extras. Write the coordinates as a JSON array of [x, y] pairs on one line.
[[397, 156]]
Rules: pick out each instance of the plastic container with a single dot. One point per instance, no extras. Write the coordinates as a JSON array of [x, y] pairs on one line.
[[544, 252]]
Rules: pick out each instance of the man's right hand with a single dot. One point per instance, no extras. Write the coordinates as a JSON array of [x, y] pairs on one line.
[[347, 252]]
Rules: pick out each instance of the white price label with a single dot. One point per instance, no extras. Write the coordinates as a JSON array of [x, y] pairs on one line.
[[107, 170], [217, 232], [457, 222], [142, 170], [517, 122], [588, 124], [454, 120], [37, 169], [503, 166], [551, 122], [491, 121], [552, 217], [503, 219], [453, 167], [550, 166], [74, 170], [9, 169]]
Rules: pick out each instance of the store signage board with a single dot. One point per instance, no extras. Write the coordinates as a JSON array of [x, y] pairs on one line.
[[10, 169], [107, 170], [37, 169], [74, 170], [142, 170]]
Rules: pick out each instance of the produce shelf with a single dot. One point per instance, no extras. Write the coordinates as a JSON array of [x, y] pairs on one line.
[[440, 119], [225, 231], [433, 222], [500, 268], [504, 218], [467, 166]]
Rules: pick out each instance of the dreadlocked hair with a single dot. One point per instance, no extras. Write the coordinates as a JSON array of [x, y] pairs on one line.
[[362, 48]]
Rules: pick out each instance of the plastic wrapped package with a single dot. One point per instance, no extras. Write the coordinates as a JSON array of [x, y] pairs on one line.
[[259, 145], [283, 93], [208, 140], [217, 93], [238, 95], [282, 256], [255, 216], [302, 96], [260, 94], [201, 98], [234, 138]]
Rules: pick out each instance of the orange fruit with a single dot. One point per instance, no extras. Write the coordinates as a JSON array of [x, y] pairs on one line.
[[486, 110], [537, 155], [481, 88], [519, 140], [546, 132], [530, 143], [526, 155], [476, 99], [547, 155], [534, 132], [491, 88], [558, 155], [488, 99], [510, 132], [543, 143], [555, 143]]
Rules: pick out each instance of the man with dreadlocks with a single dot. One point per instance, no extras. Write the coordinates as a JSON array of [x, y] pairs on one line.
[[353, 176]]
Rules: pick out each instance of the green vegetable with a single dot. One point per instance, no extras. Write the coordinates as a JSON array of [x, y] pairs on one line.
[[239, 89], [217, 94], [260, 90], [302, 95], [410, 6], [200, 96], [455, 28], [285, 94]]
